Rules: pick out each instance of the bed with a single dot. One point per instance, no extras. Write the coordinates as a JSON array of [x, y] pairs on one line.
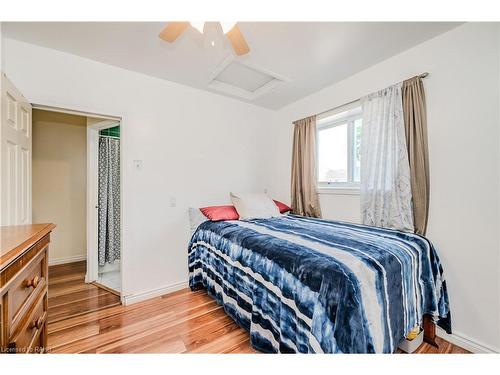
[[315, 286]]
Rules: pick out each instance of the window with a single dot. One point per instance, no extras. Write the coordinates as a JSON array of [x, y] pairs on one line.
[[339, 140]]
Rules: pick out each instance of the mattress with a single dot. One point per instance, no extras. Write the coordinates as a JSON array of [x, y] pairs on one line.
[[315, 286]]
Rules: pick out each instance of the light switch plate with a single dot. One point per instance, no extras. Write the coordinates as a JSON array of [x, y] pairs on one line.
[[173, 202], [137, 164]]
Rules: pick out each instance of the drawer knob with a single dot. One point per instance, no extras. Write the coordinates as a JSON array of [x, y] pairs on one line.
[[33, 282], [38, 323]]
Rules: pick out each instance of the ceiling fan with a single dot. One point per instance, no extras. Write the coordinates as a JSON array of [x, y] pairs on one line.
[[173, 29]]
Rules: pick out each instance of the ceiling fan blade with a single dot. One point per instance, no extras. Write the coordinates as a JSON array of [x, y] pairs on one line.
[[172, 31], [237, 40]]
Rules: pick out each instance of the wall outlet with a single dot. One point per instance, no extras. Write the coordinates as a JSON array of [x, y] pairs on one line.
[[173, 202]]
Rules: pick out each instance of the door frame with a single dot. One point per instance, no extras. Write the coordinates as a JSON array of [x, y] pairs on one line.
[[92, 176], [92, 195]]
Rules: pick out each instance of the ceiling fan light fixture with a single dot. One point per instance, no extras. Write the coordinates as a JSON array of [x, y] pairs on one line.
[[198, 26], [226, 26], [230, 29]]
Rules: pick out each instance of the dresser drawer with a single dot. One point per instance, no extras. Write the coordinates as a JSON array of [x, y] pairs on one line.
[[27, 339], [23, 287], [30, 282]]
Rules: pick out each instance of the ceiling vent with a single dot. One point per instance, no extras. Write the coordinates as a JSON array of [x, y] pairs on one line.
[[242, 80]]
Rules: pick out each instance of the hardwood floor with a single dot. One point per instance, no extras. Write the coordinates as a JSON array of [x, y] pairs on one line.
[[86, 319], [69, 296]]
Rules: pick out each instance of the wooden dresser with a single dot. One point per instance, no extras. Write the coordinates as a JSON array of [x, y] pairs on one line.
[[23, 287]]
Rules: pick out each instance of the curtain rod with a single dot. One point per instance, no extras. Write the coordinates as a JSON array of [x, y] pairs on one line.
[[423, 75]]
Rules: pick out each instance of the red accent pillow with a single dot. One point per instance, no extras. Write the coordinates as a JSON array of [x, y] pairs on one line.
[[282, 207], [218, 213]]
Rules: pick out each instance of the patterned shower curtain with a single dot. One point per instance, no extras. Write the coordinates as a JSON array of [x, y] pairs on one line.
[[109, 200]]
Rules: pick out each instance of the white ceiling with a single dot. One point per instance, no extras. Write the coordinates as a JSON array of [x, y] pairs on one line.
[[308, 55]]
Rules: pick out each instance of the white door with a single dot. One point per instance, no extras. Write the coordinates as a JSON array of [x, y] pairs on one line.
[[15, 156]]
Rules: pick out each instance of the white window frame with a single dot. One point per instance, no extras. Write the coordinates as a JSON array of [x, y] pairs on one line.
[[349, 187]]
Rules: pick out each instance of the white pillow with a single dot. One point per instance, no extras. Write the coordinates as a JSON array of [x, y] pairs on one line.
[[195, 219], [254, 206]]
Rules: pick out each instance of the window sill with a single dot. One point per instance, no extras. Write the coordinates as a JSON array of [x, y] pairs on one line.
[[339, 190]]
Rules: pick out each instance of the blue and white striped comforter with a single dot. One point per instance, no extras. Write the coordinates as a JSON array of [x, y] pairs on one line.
[[308, 285]]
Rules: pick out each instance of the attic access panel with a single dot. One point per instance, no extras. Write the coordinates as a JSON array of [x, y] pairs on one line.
[[242, 80]]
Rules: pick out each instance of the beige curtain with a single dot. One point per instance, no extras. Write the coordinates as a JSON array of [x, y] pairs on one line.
[[304, 195], [415, 119]]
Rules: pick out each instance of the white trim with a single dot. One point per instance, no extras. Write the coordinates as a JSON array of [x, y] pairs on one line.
[[242, 93], [75, 258], [323, 116], [92, 172], [327, 123], [465, 342], [74, 112], [339, 190], [138, 297]]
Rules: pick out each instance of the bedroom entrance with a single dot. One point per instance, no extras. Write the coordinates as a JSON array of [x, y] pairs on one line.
[[77, 184], [49, 174]]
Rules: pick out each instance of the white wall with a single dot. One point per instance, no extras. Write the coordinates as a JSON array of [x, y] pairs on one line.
[[195, 147], [60, 182], [463, 121]]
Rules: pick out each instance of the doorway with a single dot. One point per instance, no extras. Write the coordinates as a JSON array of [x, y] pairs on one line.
[[47, 159], [82, 192], [104, 202]]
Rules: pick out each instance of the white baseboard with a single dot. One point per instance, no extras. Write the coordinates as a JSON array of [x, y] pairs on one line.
[[76, 258], [465, 342], [138, 297]]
